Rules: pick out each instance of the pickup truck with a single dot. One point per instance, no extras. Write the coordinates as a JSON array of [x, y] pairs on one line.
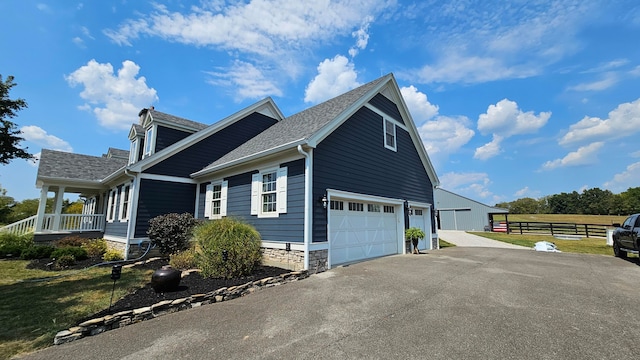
[[626, 237]]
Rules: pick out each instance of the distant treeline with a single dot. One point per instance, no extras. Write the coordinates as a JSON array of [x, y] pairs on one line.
[[593, 201]]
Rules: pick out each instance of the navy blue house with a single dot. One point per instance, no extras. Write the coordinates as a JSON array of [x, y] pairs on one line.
[[336, 183]]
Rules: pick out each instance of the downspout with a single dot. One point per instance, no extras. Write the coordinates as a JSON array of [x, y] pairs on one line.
[[133, 204], [308, 209]]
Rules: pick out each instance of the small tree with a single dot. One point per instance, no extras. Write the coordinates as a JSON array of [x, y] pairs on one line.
[[9, 135], [171, 232], [414, 235]]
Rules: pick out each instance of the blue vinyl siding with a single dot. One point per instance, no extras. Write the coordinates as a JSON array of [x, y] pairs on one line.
[[287, 227], [116, 228], [206, 151], [162, 197], [353, 158], [387, 106], [168, 136]]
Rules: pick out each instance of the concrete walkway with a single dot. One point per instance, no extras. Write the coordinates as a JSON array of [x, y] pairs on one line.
[[461, 238]]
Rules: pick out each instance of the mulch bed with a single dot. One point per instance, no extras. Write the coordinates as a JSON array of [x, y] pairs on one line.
[[191, 284]]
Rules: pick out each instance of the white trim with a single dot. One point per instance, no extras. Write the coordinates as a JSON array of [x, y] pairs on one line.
[[175, 179], [122, 216], [308, 202], [111, 201], [133, 151], [266, 105], [196, 213], [419, 204], [241, 161], [364, 197], [208, 199], [133, 209]]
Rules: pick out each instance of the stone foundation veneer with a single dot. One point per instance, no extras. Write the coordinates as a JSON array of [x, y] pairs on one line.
[[294, 259]]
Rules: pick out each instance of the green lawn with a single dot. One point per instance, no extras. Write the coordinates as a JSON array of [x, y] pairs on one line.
[[583, 246], [32, 312]]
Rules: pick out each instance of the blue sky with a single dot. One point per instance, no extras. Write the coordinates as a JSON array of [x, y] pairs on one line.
[[512, 99]]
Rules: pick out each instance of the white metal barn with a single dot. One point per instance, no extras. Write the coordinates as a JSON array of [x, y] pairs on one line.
[[456, 212]]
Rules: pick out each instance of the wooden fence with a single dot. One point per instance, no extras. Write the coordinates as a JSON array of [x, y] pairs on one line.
[[584, 230]]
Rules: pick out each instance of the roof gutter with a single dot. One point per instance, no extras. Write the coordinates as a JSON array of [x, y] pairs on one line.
[[133, 205]]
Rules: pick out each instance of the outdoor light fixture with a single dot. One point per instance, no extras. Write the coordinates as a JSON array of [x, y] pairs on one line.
[[324, 201]]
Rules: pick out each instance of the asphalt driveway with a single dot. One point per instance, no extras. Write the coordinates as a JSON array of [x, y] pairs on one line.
[[454, 303]]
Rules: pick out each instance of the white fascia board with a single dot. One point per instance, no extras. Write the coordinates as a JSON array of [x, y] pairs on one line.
[[321, 134], [249, 158], [51, 181], [115, 175], [174, 179], [265, 105], [363, 197]]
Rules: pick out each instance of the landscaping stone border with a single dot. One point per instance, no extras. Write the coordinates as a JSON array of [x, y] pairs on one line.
[[99, 325]]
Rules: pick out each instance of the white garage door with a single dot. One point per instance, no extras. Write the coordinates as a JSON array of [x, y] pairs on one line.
[[360, 230]]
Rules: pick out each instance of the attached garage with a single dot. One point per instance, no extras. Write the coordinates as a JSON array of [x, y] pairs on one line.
[[364, 227]]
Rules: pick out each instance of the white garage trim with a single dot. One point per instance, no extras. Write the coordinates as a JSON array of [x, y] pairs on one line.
[[398, 205]]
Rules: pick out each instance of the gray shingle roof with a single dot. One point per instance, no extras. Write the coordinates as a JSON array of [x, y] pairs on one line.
[[299, 126], [163, 117], [117, 153], [64, 165]]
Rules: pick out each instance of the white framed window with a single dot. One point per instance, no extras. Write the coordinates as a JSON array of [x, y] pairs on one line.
[[373, 208], [215, 205], [269, 192], [336, 205], [389, 209], [148, 142], [390, 135], [133, 151], [125, 200], [354, 206], [111, 205]]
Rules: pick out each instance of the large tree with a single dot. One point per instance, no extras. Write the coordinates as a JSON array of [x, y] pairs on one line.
[[9, 134]]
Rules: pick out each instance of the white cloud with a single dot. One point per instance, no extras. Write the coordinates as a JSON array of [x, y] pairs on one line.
[[635, 71], [39, 136], [362, 37], [260, 27], [419, 106], [445, 135], [472, 184], [248, 81], [335, 76], [583, 156], [488, 41], [624, 180], [506, 119], [489, 150], [613, 64], [606, 82], [471, 69], [623, 121], [115, 99]]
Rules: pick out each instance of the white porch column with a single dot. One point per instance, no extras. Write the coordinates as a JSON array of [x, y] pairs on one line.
[[58, 208], [42, 206]]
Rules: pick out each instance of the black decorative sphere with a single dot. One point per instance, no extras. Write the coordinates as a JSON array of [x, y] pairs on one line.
[[166, 279]]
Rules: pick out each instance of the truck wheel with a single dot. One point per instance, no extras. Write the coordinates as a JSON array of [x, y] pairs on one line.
[[618, 252]]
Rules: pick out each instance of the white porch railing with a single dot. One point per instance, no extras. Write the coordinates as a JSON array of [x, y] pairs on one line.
[[22, 227], [74, 222], [68, 223]]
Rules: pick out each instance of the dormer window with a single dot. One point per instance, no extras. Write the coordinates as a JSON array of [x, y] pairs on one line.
[[148, 142], [133, 151]]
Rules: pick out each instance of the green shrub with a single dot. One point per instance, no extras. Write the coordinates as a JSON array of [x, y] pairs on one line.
[[71, 240], [171, 232], [66, 260], [77, 252], [112, 255], [37, 252], [240, 241], [13, 245], [95, 248], [184, 260]]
